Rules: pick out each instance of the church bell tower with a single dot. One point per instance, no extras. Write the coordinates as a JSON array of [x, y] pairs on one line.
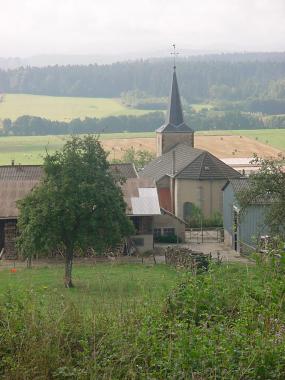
[[174, 130]]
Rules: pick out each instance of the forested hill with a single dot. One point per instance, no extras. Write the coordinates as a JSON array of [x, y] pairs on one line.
[[199, 80]]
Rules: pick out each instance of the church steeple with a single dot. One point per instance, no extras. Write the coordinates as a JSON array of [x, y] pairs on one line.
[[175, 113], [175, 130]]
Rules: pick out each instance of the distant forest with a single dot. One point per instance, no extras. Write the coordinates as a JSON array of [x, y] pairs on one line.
[[199, 81]]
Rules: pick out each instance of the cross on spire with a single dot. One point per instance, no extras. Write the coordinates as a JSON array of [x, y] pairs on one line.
[[175, 54]]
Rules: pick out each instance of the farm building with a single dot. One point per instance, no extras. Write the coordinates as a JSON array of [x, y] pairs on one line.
[[185, 176], [242, 228], [140, 195]]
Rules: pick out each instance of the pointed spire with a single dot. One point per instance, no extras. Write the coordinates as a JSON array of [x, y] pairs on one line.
[[175, 113]]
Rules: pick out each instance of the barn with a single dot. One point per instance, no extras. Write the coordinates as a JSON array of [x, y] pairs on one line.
[[140, 195]]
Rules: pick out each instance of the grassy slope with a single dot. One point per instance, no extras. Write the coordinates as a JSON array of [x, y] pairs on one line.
[[62, 108]]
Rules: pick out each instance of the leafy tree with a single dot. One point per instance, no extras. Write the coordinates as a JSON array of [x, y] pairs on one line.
[[77, 204], [139, 157], [267, 185]]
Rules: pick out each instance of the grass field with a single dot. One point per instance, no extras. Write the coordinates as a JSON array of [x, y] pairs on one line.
[[132, 322], [101, 286], [62, 108], [30, 149]]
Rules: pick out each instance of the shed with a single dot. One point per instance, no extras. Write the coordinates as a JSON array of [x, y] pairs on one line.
[[242, 228]]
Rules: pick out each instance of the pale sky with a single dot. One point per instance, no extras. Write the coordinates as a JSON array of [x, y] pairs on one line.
[[29, 27]]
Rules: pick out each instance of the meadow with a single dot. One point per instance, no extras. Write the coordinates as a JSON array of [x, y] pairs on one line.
[[62, 108], [134, 321], [30, 149]]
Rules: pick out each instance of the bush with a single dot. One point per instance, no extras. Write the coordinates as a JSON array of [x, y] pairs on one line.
[[171, 239]]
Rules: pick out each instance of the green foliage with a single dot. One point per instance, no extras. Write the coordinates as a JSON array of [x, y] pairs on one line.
[[77, 204], [34, 125], [138, 157], [239, 77], [227, 323], [196, 219], [172, 239], [267, 187]]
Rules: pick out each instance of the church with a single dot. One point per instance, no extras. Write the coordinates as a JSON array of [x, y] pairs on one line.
[[184, 175]]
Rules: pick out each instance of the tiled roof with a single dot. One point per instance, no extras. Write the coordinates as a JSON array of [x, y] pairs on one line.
[[189, 163], [124, 170]]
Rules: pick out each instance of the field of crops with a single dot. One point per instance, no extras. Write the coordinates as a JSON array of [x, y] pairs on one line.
[[273, 137], [30, 149], [62, 108]]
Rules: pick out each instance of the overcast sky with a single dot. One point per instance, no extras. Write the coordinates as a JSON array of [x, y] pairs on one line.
[[31, 27]]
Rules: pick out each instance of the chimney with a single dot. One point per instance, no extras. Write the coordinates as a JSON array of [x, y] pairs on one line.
[[173, 162]]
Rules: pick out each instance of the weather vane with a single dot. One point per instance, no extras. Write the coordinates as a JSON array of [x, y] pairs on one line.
[[175, 54]]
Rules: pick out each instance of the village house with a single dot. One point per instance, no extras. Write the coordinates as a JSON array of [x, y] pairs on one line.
[[185, 176]]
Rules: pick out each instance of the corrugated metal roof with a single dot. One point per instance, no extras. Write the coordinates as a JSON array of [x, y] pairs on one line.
[[146, 203], [140, 195], [21, 172], [190, 163], [10, 192]]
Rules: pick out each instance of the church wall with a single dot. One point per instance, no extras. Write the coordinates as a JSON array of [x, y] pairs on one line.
[[205, 194], [166, 141]]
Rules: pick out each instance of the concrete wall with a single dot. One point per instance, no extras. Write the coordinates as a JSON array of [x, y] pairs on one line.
[[205, 194], [166, 141], [168, 221]]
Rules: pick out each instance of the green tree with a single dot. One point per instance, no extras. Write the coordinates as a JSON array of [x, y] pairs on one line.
[[77, 204], [267, 185], [139, 158]]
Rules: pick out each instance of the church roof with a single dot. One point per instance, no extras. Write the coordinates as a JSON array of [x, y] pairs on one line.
[[174, 120], [185, 162]]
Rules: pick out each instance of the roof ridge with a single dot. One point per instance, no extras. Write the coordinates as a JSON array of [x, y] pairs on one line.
[[219, 166], [189, 163], [200, 171]]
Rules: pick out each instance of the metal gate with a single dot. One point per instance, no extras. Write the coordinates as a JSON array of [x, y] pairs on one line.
[[204, 235]]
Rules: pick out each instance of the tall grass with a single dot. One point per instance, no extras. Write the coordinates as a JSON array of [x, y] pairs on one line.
[[228, 323]]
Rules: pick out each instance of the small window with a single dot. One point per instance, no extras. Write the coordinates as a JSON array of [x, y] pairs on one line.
[[168, 231]]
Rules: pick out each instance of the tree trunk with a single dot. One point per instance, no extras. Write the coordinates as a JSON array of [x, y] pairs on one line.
[[68, 267]]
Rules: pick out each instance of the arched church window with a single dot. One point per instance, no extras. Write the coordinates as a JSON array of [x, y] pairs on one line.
[[187, 210]]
